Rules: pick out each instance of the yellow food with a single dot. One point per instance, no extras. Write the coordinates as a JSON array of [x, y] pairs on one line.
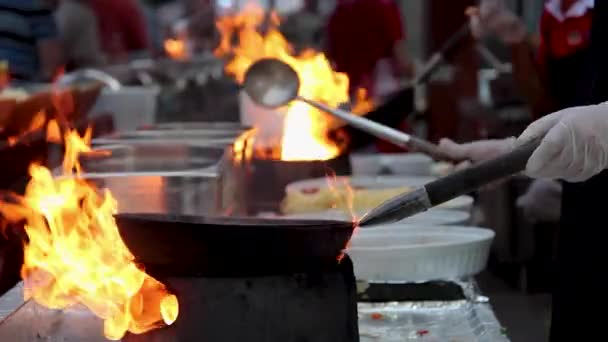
[[343, 198]]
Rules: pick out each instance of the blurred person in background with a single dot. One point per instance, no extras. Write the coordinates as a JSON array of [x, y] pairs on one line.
[[304, 28], [153, 24], [78, 30], [122, 29], [548, 73], [575, 146], [29, 40], [201, 25], [363, 41]]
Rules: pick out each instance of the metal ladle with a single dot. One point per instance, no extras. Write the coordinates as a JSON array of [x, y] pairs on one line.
[[272, 83]]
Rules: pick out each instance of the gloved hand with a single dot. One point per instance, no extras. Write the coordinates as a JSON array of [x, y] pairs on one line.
[[478, 150], [493, 17], [575, 144], [542, 202]]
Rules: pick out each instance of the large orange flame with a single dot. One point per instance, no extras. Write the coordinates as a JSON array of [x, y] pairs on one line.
[[75, 253], [305, 129]]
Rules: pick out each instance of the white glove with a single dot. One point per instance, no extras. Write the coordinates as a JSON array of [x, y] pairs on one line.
[[575, 144], [478, 150], [542, 202], [493, 17]]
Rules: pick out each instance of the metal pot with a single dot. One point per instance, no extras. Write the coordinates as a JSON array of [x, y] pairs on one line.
[[198, 137], [160, 178], [258, 185], [184, 193]]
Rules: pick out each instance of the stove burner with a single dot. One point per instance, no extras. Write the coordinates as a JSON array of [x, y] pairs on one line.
[[314, 306]]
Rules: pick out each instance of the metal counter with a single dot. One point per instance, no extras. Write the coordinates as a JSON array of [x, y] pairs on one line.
[[470, 320]]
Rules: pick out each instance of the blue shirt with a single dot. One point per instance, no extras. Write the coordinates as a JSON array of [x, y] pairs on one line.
[[24, 23]]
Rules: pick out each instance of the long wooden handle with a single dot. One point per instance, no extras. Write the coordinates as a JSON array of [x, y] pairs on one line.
[[475, 177]]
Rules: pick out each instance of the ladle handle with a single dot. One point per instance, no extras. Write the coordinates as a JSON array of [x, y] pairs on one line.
[[431, 149], [381, 131]]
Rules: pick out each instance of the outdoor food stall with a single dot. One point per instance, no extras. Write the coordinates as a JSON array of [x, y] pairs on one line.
[[160, 228]]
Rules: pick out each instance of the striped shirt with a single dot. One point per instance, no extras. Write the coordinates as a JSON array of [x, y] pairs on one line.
[[23, 23]]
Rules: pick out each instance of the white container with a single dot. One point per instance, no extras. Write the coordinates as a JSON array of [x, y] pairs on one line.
[[131, 107], [269, 122], [409, 164], [420, 253]]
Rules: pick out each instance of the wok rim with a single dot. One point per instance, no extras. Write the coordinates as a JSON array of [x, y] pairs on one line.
[[250, 222]]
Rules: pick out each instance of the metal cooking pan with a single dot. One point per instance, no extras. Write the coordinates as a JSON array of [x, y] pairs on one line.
[[227, 247]]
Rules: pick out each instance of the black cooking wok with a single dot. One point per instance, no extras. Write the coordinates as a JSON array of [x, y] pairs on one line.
[[226, 247]]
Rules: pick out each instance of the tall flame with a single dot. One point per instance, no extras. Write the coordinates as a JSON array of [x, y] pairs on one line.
[[75, 254], [306, 129]]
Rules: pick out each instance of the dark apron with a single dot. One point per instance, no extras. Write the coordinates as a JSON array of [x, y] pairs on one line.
[[579, 298]]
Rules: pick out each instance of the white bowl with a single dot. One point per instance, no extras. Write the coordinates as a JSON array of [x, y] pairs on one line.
[[463, 203], [420, 253], [411, 164], [131, 107]]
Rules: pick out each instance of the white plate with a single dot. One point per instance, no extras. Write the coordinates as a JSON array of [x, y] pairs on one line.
[[420, 253], [463, 203], [411, 164], [439, 217]]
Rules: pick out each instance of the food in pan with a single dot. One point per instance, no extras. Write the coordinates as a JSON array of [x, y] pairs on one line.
[[357, 199]]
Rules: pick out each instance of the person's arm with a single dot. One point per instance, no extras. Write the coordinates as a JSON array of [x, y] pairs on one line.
[[573, 147], [49, 48]]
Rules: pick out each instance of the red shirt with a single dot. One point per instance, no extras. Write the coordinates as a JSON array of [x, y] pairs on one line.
[[360, 33], [122, 28], [564, 34]]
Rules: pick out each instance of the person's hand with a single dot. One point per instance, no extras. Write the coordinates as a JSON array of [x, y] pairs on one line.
[[542, 202], [493, 17], [476, 151], [575, 144]]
